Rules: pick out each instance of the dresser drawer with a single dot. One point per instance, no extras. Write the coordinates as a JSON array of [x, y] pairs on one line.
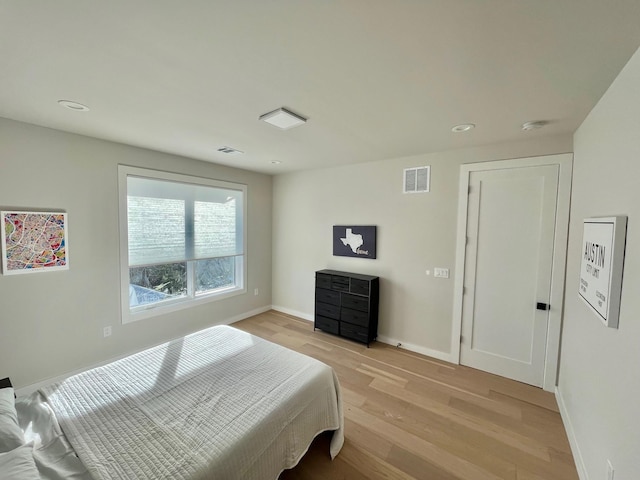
[[360, 287], [339, 283], [327, 325], [355, 302], [327, 296], [323, 280], [354, 332], [326, 310], [354, 316]]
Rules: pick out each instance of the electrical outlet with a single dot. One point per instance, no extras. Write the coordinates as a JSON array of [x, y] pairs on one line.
[[256, 292], [106, 332], [610, 471], [441, 272]]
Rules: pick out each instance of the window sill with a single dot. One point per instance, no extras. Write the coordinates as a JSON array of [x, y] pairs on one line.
[[177, 304]]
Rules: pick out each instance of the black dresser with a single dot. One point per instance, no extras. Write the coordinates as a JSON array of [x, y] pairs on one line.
[[347, 305]]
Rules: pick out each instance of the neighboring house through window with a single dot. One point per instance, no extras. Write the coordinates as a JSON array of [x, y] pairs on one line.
[[182, 241]]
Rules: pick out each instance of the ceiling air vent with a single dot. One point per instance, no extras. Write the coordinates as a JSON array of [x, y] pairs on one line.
[[417, 179], [230, 151]]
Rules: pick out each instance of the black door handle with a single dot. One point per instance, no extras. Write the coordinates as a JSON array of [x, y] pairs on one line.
[[543, 306]]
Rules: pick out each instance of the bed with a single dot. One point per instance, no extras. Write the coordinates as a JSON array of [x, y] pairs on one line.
[[219, 403]]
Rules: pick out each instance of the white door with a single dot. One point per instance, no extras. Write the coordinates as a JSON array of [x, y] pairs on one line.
[[511, 222]]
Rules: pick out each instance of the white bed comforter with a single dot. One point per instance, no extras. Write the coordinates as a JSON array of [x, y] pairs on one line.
[[219, 403]]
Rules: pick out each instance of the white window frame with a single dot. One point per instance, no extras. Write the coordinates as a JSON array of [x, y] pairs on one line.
[[130, 315]]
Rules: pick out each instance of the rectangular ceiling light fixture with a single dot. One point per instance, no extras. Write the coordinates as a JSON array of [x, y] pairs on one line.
[[283, 118]]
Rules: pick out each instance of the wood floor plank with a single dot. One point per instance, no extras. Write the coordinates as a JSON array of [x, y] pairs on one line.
[[352, 397], [440, 431], [376, 467], [417, 467], [397, 380], [483, 425], [408, 416], [539, 432], [374, 444], [420, 447]]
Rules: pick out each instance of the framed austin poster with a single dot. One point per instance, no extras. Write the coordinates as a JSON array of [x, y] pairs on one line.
[[354, 241], [34, 242], [603, 245]]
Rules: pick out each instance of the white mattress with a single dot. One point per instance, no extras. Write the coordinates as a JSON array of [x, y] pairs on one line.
[[219, 403]]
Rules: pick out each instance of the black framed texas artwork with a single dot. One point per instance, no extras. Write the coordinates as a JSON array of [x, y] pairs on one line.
[[354, 241]]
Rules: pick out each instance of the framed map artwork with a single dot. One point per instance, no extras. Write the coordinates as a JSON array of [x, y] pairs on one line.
[[34, 242]]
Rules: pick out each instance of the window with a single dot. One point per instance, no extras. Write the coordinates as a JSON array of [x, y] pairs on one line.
[[181, 241]]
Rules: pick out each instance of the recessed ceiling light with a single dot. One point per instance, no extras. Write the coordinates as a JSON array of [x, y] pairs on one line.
[[75, 106], [275, 162], [283, 118], [533, 125], [463, 127]]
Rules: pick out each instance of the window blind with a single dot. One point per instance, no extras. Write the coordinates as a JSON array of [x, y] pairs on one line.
[[172, 222]]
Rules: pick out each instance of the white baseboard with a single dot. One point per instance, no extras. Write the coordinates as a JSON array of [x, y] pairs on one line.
[[244, 315], [417, 349], [26, 390], [571, 434], [288, 311], [381, 338]]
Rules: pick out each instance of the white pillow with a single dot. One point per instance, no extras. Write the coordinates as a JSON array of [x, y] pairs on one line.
[[10, 434], [18, 463]]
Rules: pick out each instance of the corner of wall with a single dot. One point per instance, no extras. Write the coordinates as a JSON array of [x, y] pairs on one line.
[[571, 435]]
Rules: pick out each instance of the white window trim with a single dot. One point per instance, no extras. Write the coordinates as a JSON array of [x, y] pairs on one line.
[[141, 313]]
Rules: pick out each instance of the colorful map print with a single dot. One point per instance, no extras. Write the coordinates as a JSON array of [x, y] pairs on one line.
[[34, 241]]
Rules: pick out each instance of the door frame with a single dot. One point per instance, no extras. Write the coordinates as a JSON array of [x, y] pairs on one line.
[[565, 163]]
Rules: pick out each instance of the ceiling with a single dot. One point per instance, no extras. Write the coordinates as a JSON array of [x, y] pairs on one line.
[[377, 79]]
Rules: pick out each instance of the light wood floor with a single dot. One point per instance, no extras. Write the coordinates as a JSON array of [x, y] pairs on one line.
[[408, 416]]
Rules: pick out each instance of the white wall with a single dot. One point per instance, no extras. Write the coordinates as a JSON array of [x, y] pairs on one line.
[[51, 323], [599, 383], [416, 232]]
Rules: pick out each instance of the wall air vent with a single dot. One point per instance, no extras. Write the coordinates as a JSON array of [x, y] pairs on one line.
[[416, 180], [230, 151]]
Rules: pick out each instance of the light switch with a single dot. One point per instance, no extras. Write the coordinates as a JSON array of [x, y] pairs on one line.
[[441, 272]]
